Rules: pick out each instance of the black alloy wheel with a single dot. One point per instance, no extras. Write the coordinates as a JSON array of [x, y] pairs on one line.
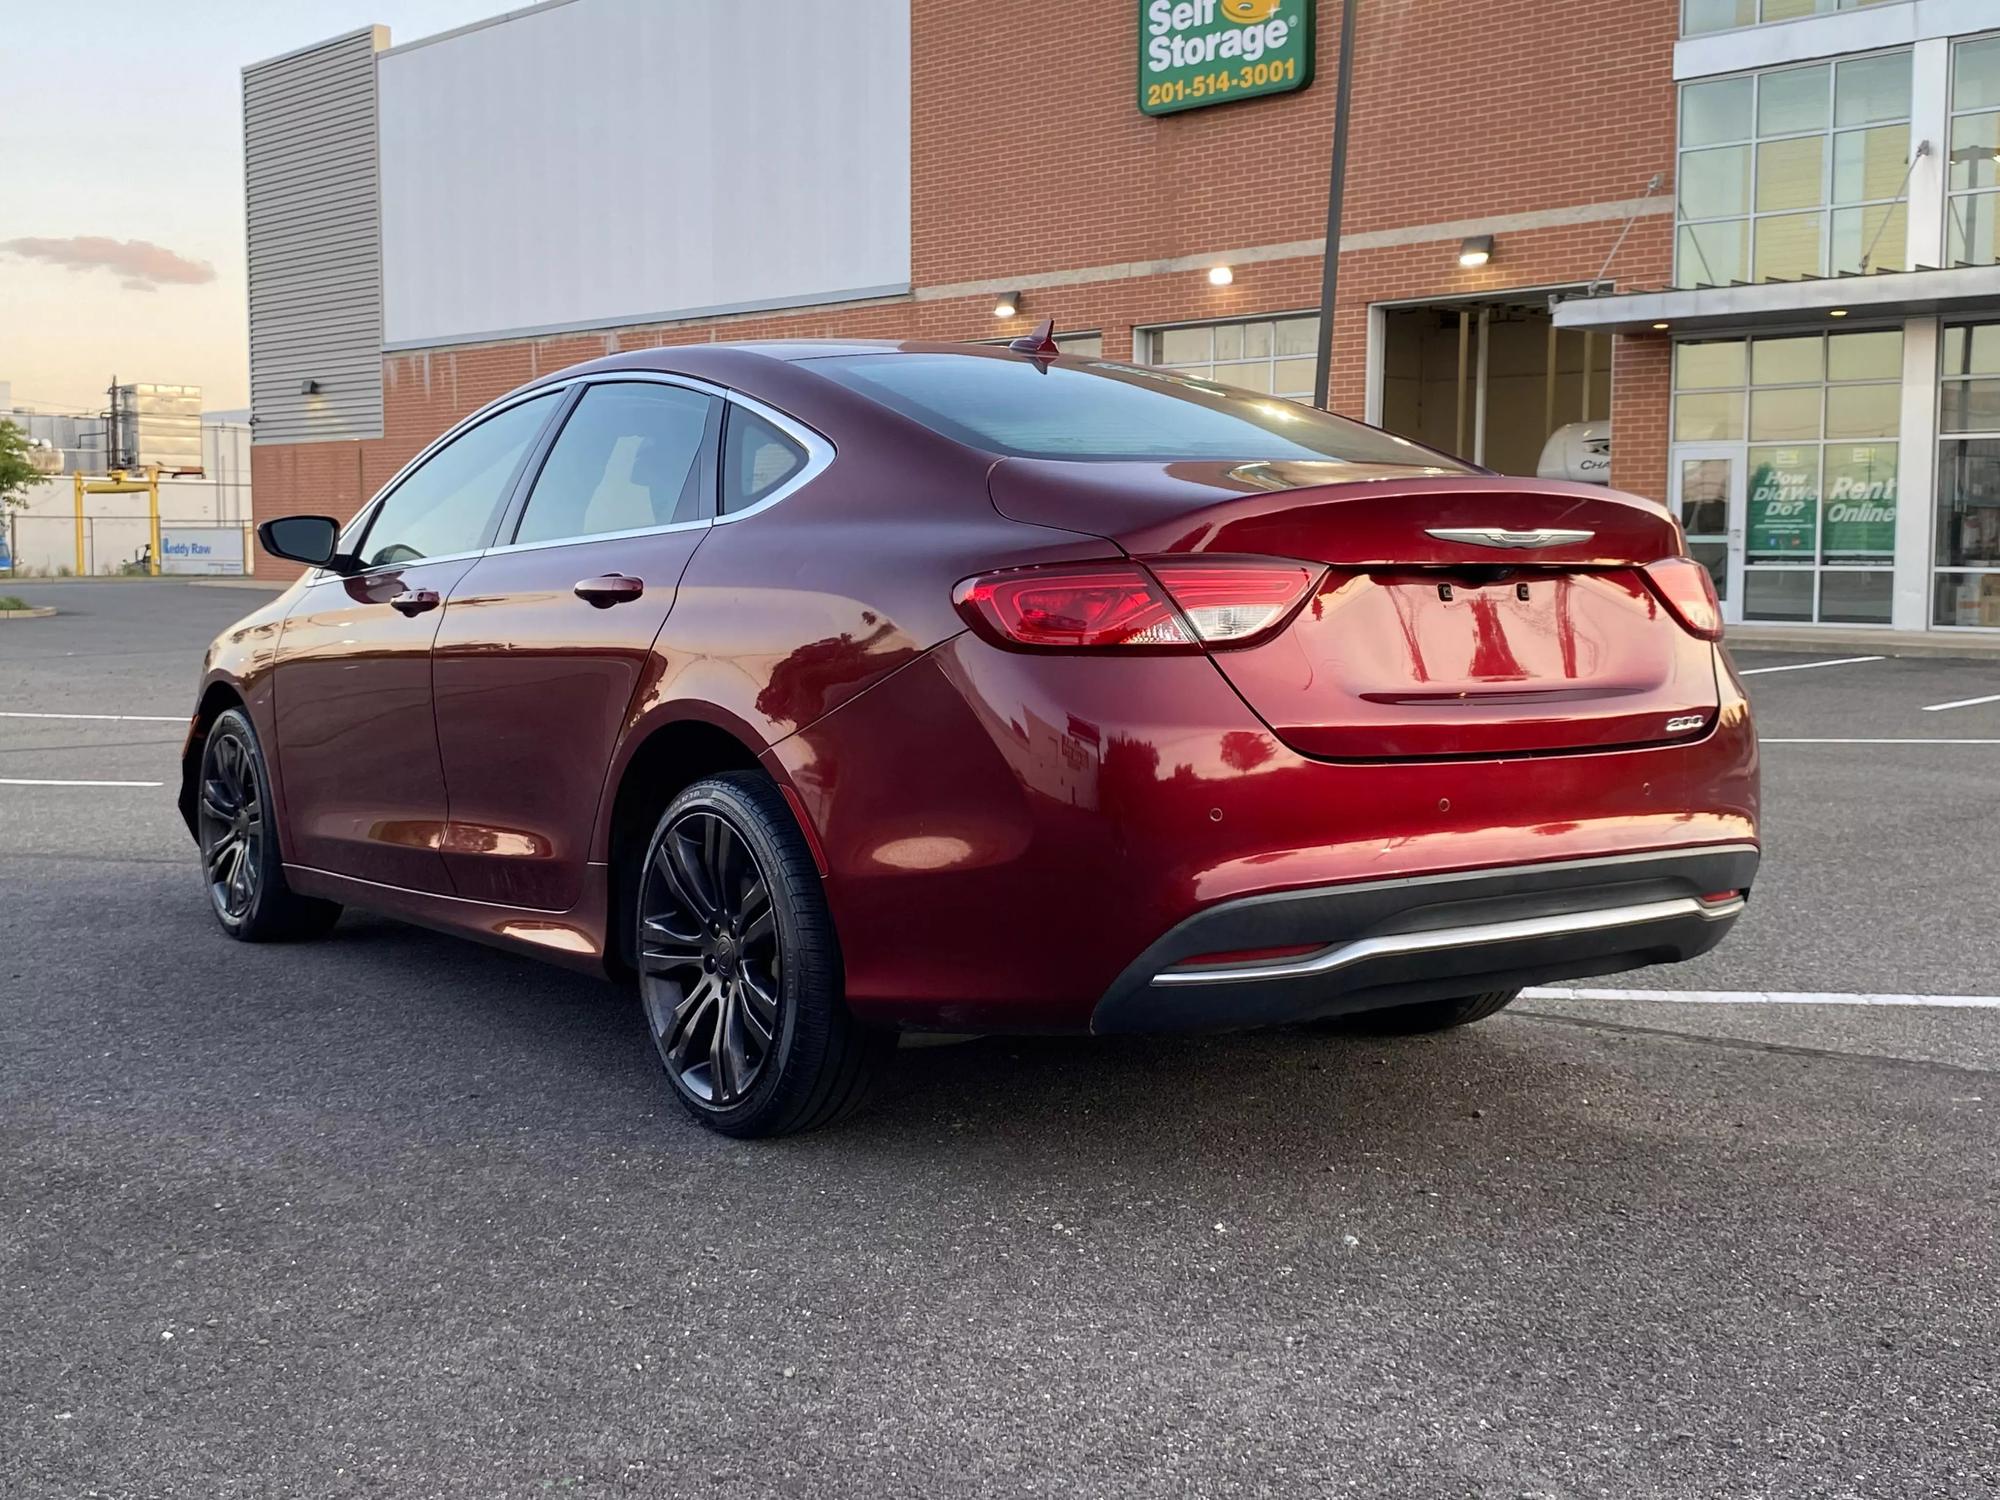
[[240, 865], [710, 957], [739, 967], [232, 823]]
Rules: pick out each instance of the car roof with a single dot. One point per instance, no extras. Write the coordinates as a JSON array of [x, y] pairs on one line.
[[718, 360]]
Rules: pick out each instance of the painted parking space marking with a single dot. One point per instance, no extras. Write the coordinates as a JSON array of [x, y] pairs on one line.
[[44, 781], [1801, 666], [102, 718], [1938, 708], [1764, 997], [1919, 740]]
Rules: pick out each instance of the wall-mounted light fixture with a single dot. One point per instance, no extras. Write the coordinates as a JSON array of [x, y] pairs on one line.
[[1475, 250], [1006, 304], [1220, 276], [308, 387]]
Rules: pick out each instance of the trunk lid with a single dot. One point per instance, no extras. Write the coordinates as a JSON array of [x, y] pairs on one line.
[[1458, 616]]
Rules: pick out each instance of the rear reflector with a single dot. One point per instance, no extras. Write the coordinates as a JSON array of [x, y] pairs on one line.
[[1179, 605], [1684, 586]]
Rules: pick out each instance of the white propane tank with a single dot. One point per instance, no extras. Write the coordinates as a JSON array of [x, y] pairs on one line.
[[1579, 451]]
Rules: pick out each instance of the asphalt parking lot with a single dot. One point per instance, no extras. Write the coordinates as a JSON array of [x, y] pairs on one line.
[[393, 1214]]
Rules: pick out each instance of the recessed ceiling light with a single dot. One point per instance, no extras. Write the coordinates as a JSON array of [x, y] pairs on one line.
[[1658, 326], [1836, 312]]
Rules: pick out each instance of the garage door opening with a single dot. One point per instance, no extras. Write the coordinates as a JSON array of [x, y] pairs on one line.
[[1493, 379]]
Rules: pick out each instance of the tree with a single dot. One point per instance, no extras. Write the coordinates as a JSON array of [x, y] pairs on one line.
[[17, 469]]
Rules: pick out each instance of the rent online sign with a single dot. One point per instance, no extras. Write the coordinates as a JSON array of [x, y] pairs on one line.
[[1199, 52]]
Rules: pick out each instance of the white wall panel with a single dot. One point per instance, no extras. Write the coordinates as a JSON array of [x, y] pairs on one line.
[[603, 162]]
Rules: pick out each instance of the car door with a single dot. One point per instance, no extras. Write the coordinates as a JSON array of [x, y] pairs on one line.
[[355, 722], [545, 640]]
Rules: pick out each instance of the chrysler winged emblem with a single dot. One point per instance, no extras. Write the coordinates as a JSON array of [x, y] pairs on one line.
[[1500, 536]]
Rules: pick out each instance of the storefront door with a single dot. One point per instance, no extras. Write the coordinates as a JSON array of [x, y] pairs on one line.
[[1707, 498]]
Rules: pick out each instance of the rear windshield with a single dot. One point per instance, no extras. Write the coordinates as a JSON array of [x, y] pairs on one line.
[[1091, 409]]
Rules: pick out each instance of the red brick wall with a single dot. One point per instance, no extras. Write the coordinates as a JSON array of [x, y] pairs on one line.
[[1026, 163]]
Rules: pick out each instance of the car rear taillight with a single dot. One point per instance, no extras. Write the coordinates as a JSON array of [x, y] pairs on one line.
[[1688, 592], [1173, 605], [1233, 601]]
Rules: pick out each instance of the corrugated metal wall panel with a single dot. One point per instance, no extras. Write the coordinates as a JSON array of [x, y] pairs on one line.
[[313, 205]]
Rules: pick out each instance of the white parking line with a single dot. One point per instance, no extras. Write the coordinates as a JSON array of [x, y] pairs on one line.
[[1800, 666], [36, 781], [106, 718], [1938, 708], [1922, 740], [1765, 997]]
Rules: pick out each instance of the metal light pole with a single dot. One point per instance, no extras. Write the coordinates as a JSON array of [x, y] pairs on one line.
[[1329, 280]]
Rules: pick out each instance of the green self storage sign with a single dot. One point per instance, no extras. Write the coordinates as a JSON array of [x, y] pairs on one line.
[[1199, 52]]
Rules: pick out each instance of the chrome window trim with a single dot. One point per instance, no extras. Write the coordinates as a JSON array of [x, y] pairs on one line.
[[820, 454], [358, 527], [597, 536]]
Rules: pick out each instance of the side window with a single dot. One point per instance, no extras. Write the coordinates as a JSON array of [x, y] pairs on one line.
[[629, 457], [756, 459], [443, 506]]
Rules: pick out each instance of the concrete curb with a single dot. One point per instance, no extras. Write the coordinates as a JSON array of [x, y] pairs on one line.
[[39, 612], [1941, 644]]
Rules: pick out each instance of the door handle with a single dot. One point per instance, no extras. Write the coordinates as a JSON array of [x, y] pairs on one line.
[[612, 588], [415, 601]]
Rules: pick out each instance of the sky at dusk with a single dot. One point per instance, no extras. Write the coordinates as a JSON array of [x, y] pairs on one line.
[[121, 153]]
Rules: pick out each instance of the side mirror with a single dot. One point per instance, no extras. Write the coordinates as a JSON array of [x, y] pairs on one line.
[[312, 540]]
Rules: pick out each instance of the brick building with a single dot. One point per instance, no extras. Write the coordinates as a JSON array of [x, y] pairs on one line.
[[1716, 228]]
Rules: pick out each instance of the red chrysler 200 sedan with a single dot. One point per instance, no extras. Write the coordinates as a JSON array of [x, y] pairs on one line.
[[837, 689]]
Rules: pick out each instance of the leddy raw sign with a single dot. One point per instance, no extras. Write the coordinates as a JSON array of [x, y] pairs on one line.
[[1198, 52]]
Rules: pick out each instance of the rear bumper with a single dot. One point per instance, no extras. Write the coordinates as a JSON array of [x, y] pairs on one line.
[[1394, 942], [1015, 841]]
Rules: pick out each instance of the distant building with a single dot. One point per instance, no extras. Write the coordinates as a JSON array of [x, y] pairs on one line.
[[1760, 237], [77, 441], [206, 486]]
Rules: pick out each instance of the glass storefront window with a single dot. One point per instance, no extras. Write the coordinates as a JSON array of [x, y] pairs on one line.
[[1867, 89], [1973, 162], [1864, 411], [1705, 418], [1714, 254], [1796, 171], [1699, 17], [1792, 99], [1787, 361], [1703, 367], [1967, 531], [1821, 413], [1784, 505], [1273, 356], [1787, 415], [1865, 356], [1859, 524]]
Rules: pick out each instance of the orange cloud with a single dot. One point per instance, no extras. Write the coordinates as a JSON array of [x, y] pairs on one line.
[[140, 265]]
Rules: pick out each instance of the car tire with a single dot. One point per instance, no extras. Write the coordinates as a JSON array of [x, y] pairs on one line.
[[1429, 1015], [739, 968], [242, 869]]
